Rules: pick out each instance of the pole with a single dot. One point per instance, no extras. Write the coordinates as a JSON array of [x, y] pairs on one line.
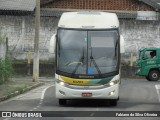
[[131, 60], [36, 43], [131, 63], [6, 47]]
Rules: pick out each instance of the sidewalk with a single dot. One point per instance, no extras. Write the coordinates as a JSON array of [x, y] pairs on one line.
[[19, 85]]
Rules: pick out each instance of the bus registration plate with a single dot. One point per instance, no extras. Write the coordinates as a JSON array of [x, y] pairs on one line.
[[87, 94]]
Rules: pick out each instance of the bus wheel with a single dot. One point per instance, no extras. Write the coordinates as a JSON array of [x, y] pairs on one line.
[[147, 78], [62, 102], [154, 75], [113, 102]]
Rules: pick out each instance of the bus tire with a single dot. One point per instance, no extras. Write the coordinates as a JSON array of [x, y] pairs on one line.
[[113, 102], [154, 75], [62, 101]]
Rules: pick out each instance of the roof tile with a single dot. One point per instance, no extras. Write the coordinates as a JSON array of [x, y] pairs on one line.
[[21, 5]]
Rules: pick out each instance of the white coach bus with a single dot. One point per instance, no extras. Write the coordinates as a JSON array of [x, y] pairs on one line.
[[87, 47]]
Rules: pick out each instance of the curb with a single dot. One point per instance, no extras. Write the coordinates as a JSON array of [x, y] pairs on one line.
[[40, 79], [20, 92]]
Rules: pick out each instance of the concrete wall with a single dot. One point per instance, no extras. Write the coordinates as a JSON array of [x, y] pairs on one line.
[[139, 34], [20, 33], [2, 50], [2, 43]]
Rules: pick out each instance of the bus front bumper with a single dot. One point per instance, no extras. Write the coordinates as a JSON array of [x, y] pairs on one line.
[[63, 92]]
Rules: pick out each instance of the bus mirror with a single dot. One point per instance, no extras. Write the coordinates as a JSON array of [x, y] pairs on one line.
[[122, 49], [52, 45]]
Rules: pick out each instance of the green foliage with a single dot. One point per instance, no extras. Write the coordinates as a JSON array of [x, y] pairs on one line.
[[1, 82], [6, 69]]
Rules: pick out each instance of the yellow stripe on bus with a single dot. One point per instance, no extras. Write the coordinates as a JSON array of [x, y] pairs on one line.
[[75, 81]]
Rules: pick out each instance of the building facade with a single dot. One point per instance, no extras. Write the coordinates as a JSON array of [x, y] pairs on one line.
[[139, 23]]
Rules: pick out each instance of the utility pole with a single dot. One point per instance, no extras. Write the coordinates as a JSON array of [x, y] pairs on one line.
[[36, 43]]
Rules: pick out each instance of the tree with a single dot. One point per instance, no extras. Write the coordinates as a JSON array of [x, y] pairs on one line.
[[6, 69]]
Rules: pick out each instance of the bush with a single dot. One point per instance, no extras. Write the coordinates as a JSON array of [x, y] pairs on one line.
[[6, 69]]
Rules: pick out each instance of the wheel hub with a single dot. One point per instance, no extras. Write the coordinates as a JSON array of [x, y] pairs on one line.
[[154, 75]]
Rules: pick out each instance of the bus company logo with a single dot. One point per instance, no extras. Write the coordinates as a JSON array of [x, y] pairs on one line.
[[80, 82], [6, 114]]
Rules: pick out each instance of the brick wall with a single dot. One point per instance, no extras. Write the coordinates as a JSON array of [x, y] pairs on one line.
[[128, 5]]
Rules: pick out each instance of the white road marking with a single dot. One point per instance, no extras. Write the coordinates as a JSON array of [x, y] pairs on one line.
[[158, 89], [31, 95], [97, 109], [37, 93], [38, 106], [43, 92], [42, 98]]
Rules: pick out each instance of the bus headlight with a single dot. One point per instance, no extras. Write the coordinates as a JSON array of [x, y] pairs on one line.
[[61, 82], [111, 83]]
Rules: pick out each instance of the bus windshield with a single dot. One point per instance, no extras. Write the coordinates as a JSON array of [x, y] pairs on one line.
[[84, 52]]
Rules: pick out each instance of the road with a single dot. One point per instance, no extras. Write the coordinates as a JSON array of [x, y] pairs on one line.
[[135, 95]]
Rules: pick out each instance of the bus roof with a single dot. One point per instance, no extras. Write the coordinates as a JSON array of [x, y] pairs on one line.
[[89, 20]]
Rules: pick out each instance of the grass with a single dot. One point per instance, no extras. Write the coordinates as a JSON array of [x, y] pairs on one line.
[[12, 86], [6, 69]]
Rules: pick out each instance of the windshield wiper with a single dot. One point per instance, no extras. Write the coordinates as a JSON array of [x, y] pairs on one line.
[[78, 64], [94, 62]]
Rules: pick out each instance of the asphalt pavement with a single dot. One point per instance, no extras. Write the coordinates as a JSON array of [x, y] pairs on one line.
[[135, 95]]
